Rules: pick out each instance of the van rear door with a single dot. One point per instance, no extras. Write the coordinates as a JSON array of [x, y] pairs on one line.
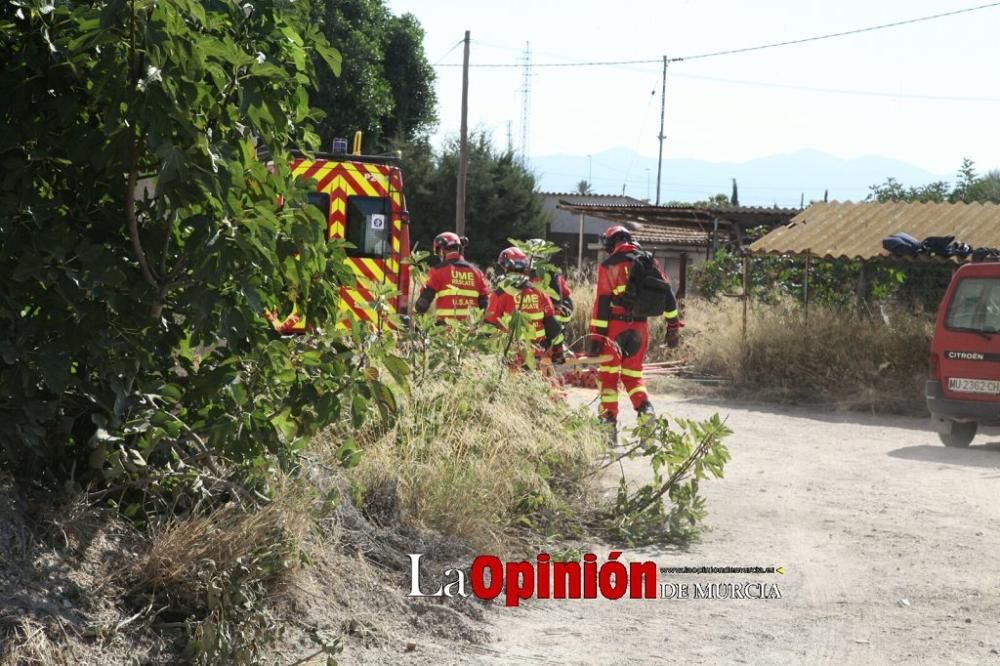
[[968, 343]]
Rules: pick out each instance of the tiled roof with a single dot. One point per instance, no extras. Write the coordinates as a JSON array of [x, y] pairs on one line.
[[655, 234], [594, 199]]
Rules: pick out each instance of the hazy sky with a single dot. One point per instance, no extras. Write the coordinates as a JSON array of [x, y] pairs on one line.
[[933, 88]]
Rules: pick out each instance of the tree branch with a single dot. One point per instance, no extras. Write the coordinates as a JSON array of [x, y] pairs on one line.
[[132, 181]]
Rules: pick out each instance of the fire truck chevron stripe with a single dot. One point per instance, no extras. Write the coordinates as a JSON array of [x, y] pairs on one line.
[[347, 302], [328, 181], [373, 269], [358, 183], [313, 170], [379, 181], [360, 294]]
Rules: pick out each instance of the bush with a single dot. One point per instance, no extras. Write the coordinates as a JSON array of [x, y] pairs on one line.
[[484, 455], [827, 356], [130, 323]]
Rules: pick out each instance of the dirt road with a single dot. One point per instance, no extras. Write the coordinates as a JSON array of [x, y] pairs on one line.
[[889, 543]]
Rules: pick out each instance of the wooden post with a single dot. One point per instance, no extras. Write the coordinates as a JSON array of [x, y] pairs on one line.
[[661, 137], [463, 150], [746, 295], [682, 277], [805, 286], [864, 281], [579, 248]]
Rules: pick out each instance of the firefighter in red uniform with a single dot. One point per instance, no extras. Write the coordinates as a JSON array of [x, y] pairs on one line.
[[521, 294], [454, 286], [561, 298], [612, 323]]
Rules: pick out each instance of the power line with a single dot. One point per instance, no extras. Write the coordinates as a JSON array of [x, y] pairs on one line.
[[831, 35], [840, 91], [561, 64], [747, 49], [448, 53]]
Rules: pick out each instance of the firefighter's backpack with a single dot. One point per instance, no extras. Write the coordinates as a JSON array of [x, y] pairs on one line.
[[646, 292]]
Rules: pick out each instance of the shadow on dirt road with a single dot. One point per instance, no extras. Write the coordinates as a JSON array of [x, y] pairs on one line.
[[986, 455]]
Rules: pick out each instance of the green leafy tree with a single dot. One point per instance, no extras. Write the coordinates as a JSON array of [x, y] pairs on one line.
[[501, 201], [387, 87], [145, 239], [986, 188], [893, 190], [583, 187], [966, 179], [972, 188]]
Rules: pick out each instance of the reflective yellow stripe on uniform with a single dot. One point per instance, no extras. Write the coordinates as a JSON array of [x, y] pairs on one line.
[[618, 290], [609, 396], [533, 316], [599, 323], [452, 313], [455, 291], [632, 373], [608, 368], [670, 315], [637, 389], [559, 339]]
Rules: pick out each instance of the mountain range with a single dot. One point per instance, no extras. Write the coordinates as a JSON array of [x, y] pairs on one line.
[[782, 180]]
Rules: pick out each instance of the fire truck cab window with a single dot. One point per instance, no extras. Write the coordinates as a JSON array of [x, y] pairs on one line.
[[368, 226], [322, 202]]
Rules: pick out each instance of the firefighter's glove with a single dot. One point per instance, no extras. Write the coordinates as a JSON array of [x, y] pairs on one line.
[[673, 336], [558, 355], [565, 309]]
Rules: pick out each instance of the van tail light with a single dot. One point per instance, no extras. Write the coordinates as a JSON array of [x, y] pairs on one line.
[[934, 367]]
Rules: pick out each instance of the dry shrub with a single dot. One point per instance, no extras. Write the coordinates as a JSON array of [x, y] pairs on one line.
[[827, 356], [831, 356], [24, 642], [478, 458], [185, 555], [583, 306]]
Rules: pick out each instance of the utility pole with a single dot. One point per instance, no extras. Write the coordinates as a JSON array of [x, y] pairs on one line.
[[463, 152], [663, 112]]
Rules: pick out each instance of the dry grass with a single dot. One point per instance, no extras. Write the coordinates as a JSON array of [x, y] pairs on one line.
[[829, 356], [184, 555], [478, 459], [25, 643]]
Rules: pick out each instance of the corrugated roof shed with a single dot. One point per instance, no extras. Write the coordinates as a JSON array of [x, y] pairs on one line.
[[855, 231]]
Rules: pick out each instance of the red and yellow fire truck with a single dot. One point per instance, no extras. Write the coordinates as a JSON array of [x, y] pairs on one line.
[[362, 199]]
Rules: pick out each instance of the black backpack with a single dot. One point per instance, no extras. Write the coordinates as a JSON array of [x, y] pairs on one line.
[[646, 293]]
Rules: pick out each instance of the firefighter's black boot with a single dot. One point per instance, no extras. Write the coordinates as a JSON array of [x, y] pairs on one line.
[[610, 422], [646, 409]]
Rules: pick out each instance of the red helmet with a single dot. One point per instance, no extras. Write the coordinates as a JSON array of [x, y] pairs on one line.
[[615, 233], [513, 259], [446, 240]]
